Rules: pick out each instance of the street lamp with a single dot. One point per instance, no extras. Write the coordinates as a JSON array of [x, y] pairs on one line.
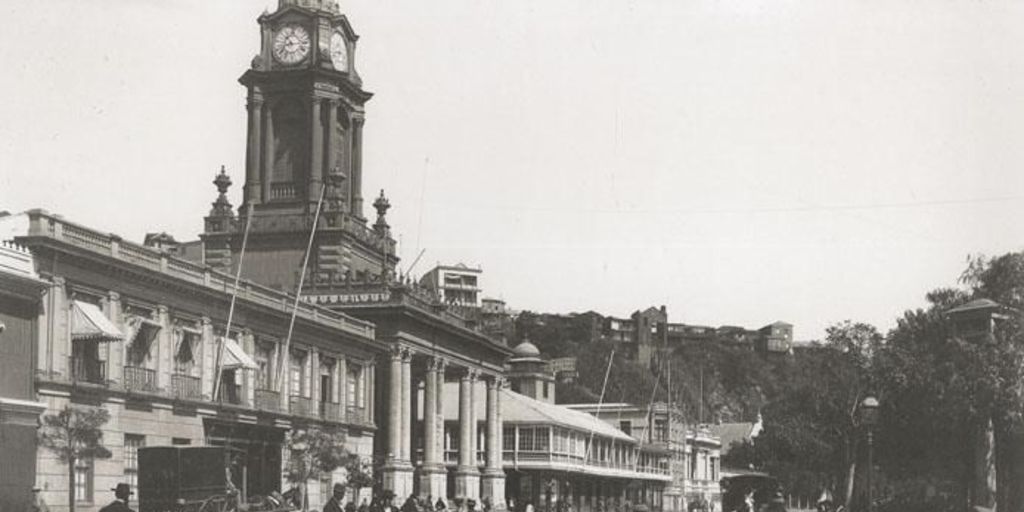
[[869, 418]]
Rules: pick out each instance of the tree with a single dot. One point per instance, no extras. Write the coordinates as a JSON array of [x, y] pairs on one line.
[[313, 453], [359, 475], [74, 434]]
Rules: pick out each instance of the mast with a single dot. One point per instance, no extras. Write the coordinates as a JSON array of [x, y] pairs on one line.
[[219, 362]]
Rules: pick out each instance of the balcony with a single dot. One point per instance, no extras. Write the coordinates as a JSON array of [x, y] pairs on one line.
[[267, 400], [356, 414], [330, 411], [186, 387], [139, 379], [92, 371], [283, 191], [301, 406]]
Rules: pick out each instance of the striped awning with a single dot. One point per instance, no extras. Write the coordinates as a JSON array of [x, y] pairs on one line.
[[235, 357], [88, 323]]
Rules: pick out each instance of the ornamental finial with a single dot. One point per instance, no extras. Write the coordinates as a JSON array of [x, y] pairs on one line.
[[381, 204], [222, 206]]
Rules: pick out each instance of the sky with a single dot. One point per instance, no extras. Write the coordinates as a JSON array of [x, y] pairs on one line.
[[739, 161]]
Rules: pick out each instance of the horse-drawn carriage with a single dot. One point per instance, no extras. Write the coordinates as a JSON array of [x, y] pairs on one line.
[[196, 479]]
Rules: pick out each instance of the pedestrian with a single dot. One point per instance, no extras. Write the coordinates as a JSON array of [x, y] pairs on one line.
[[350, 506], [471, 505], [410, 504], [529, 507], [122, 493], [337, 494], [440, 505], [363, 506]]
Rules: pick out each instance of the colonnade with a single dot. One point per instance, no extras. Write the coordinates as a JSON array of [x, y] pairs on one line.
[[400, 474]]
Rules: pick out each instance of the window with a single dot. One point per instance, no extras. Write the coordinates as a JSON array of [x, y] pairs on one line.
[[542, 441], [185, 355], [626, 427], [264, 354], [141, 333], [296, 373], [180, 441], [508, 438], [526, 439], [545, 390], [327, 380], [355, 396], [132, 443], [83, 480]]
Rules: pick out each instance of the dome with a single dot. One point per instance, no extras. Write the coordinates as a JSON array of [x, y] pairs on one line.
[[526, 349]]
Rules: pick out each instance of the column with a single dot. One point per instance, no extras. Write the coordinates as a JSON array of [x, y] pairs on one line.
[[467, 476], [314, 382], [395, 406], [397, 471], [268, 151], [330, 130], [433, 476], [357, 166], [253, 158], [115, 354], [341, 370], [316, 164], [494, 475], [406, 407]]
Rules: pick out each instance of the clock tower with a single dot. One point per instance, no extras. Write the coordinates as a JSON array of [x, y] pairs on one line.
[[305, 132]]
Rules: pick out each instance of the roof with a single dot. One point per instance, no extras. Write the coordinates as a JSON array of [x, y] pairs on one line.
[[89, 323], [526, 349], [731, 433], [517, 408]]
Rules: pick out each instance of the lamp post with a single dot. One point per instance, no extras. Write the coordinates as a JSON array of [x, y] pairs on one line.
[[869, 418]]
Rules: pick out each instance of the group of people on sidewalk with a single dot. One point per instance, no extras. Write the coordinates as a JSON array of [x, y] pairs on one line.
[[385, 502]]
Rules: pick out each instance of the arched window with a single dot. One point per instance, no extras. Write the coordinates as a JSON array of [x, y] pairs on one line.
[[291, 136]]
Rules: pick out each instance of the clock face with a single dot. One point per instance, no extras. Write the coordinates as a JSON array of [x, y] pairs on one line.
[[291, 44], [339, 51]]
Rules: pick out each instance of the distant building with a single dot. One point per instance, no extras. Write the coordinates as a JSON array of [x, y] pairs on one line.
[[776, 338], [454, 284], [564, 369]]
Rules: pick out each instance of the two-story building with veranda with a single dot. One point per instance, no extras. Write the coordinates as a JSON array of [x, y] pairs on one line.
[[136, 331], [554, 453], [693, 451]]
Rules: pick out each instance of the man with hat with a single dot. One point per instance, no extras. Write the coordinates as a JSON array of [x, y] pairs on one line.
[[334, 504], [122, 493]]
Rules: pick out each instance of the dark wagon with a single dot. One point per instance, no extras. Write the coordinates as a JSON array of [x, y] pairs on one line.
[[194, 479]]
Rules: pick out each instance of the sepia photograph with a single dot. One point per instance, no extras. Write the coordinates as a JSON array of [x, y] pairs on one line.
[[512, 256]]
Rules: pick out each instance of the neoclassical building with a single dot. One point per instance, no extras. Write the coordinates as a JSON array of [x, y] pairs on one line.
[[137, 331], [304, 175]]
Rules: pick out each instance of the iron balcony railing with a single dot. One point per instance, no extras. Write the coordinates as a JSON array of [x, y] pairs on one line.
[[139, 379], [186, 387], [92, 371]]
